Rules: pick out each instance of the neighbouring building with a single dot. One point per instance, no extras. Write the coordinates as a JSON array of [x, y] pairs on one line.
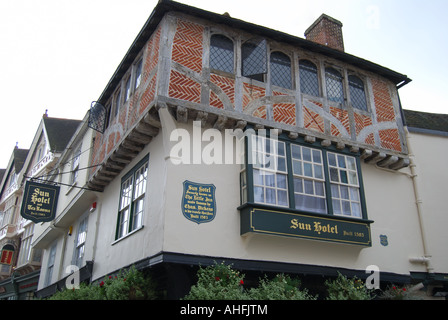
[[20, 264], [220, 140]]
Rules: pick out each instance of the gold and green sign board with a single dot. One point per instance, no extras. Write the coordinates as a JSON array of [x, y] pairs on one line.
[[282, 223], [39, 202]]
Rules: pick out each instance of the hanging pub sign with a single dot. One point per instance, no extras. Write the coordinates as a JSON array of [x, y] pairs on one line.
[[198, 202], [39, 202]]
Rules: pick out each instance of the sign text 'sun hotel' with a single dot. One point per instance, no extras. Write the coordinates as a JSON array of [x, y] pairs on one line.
[[39, 202]]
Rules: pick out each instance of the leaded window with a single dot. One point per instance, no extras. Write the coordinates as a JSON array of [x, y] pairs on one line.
[[335, 89], [357, 93], [254, 63], [309, 81], [281, 70], [221, 53]]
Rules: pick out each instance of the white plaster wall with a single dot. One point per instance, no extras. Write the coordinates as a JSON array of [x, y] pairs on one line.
[[390, 204], [430, 154], [111, 255]]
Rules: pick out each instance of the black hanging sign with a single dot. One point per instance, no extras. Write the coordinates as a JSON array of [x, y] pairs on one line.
[[39, 202], [97, 117]]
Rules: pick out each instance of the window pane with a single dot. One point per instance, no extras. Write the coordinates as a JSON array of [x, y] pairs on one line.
[[309, 189], [258, 179], [341, 161], [351, 164], [335, 190], [306, 154], [334, 176], [269, 180], [281, 164], [356, 209], [318, 172], [297, 167], [221, 53], [270, 196], [352, 178], [309, 83], [354, 194], [281, 181], [259, 194], [280, 70], [319, 188], [336, 207], [308, 169], [296, 151], [346, 208], [332, 159], [298, 185], [282, 196]]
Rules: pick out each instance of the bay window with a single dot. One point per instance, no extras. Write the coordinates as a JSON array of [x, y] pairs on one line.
[[302, 177]]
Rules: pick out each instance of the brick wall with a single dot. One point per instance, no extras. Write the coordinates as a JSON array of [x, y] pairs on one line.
[[131, 111], [189, 81]]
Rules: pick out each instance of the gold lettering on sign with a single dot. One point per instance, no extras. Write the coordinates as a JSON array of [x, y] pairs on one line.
[[318, 227], [295, 224], [40, 197]]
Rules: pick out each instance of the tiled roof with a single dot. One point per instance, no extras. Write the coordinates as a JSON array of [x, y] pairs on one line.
[[426, 120], [60, 131]]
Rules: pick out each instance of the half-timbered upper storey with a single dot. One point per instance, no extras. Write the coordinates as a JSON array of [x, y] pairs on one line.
[[228, 73]]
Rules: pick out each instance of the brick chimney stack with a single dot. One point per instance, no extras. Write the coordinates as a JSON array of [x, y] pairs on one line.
[[326, 31]]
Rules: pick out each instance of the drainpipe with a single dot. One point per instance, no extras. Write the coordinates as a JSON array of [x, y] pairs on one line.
[[426, 259]]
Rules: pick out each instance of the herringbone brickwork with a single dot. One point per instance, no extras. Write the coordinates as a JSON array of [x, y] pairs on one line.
[[183, 88], [284, 112], [390, 139], [342, 116], [361, 122], [312, 120], [227, 85], [188, 45]]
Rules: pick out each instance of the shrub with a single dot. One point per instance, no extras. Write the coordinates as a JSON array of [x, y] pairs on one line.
[[217, 282], [221, 282], [398, 293], [128, 285], [282, 287], [343, 288]]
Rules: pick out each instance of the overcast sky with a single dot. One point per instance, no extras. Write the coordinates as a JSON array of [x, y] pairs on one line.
[[58, 55]]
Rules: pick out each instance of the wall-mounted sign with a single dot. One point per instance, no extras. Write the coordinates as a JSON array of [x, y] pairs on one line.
[[383, 240], [39, 202], [198, 202], [304, 226], [6, 254]]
